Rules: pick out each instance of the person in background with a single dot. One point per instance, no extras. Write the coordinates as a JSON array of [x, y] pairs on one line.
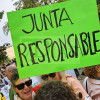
[[4, 77], [92, 81], [3, 72], [22, 87], [9, 72], [55, 90], [71, 81], [14, 61], [3, 82]]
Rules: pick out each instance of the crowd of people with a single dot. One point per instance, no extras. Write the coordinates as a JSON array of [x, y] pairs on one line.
[[53, 86]]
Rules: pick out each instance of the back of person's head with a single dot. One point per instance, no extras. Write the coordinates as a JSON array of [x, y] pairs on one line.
[[92, 71], [14, 77], [1, 76], [10, 70], [55, 90]]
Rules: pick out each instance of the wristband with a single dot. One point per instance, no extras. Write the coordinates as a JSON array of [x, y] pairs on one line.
[[87, 97]]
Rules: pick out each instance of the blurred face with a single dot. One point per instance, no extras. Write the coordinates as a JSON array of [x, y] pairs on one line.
[[26, 92], [3, 73], [0, 76], [0, 81], [51, 76], [8, 74]]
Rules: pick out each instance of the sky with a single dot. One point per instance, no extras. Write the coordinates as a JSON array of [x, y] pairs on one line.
[[7, 6]]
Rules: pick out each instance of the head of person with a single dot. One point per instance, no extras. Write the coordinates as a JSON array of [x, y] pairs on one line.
[[3, 72], [51, 76], [0, 80], [92, 71], [55, 90], [10, 70], [4, 65], [23, 87], [1, 76]]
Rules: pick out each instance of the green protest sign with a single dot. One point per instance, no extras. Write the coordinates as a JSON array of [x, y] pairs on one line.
[[56, 37]]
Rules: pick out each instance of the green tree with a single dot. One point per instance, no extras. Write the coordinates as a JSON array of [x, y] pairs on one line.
[[1, 14], [3, 54], [98, 8], [98, 5], [6, 28], [98, 1], [25, 4]]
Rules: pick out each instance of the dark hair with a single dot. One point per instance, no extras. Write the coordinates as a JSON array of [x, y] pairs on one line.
[[1, 75], [55, 90], [14, 78], [91, 71]]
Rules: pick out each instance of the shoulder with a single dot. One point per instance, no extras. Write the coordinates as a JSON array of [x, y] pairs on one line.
[[94, 81], [84, 82]]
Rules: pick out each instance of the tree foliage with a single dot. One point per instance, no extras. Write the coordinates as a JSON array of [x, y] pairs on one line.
[[1, 14], [98, 1], [25, 4], [3, 54], [6, 28], [98, 8]]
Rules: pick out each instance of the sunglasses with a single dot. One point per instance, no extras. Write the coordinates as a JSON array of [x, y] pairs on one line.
[[21, 86], [45, 77]]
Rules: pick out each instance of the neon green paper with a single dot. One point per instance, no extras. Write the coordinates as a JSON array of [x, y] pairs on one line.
[[66, 37]]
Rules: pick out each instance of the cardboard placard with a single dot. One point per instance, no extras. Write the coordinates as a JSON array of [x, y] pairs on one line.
[[56, 37]]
